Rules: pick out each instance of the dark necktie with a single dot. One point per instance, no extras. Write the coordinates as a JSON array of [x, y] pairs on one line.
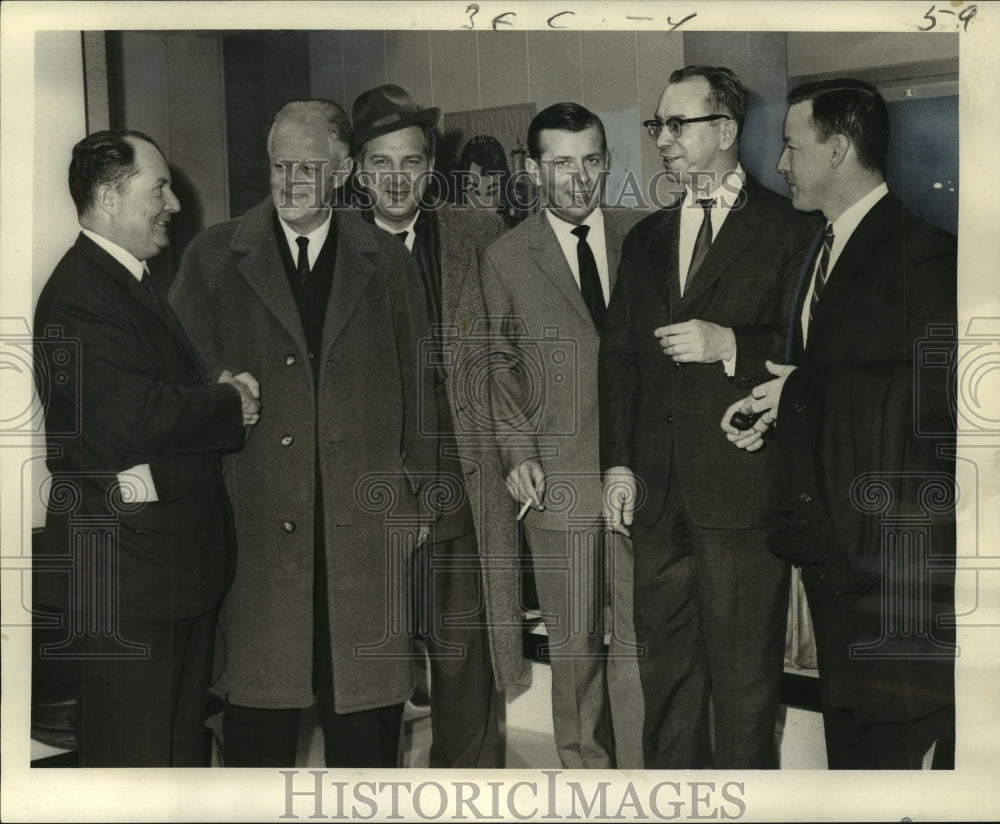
[[302, 265], [822, 272], [703, 242], [147, 282], [590, 280], [402, 237]]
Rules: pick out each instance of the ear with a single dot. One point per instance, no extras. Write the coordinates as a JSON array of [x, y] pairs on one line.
[[839, 146], [532, 167], [106, 199], [729, 132]]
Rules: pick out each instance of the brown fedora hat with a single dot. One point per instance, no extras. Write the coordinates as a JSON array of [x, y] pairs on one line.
[[386, 108]]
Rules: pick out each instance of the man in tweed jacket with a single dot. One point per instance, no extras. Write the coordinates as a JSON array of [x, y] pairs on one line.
[[466, 579]]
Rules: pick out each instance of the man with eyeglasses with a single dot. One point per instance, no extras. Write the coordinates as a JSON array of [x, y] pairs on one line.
[[704, 292]]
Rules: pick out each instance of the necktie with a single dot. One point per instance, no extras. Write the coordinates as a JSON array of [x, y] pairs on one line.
[[590, 280], [302, 265], [821, 272], [402, 237], [147, 282], [703, 241]]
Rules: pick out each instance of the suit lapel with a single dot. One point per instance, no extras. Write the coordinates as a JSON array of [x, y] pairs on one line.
[[552, 262], [352, 272], [794, 344], [852, 262], [260, 264], [160, 311], [735, 235]]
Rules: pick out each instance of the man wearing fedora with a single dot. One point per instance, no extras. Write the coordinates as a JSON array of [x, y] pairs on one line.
[[327, 310], [466, 577]]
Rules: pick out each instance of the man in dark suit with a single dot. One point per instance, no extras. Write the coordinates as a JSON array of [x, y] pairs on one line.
[[546, 284], [322, 308], [467, 576], [704, 290], [135, 550], [866, 439]]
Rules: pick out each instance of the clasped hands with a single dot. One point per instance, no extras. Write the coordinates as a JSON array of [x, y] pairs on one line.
[[764, 399], [246, 384]]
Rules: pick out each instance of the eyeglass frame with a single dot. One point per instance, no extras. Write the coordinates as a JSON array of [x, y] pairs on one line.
[[676, 124]]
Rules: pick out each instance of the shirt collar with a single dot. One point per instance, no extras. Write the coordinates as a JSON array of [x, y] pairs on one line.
[[408, 228], [727, 192], [135, 266], [317, 237], [844, 226], [563, 228]]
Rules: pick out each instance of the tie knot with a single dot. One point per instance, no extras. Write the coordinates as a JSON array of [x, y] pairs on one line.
[[581, 232], [402, 236], [828, 233], [706, 203], [303, 242]]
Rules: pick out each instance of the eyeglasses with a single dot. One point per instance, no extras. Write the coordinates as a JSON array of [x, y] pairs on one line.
[[675, 125]]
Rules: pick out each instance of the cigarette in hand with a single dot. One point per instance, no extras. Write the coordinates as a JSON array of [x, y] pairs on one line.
[[524, 509]]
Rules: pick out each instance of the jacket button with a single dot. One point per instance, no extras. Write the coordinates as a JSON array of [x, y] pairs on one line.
[[670, 418], [805, 497], [288, 526], [799, 408], [678, 365], [290, 359], [288, 440], [744, 379]]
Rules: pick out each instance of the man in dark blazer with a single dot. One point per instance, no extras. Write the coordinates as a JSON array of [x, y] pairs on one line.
[[704, 290], [466, 578], [866, 438], [546, 284], [325, 493], [136, 548]]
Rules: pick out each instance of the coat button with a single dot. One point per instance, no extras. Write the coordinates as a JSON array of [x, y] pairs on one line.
[[805, 497], [288, 440], [799, 408], [288, 526], [290, 359], [670, 418], [678, 365]]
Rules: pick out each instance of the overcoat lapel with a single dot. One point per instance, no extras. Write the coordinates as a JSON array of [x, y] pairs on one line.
[[351, 275], [551, 261], [261, 266]]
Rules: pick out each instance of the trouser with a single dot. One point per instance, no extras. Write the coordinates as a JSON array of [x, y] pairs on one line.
[[566, 579], [464, 721], [710, 609], [146, 711]]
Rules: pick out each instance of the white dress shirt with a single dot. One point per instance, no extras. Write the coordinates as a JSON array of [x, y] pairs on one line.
[[411, 235], [595, 239], [135, 266], [843, 228], [317, 237]]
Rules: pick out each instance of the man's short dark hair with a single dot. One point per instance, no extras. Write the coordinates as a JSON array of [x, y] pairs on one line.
[[105, 158], [727, 93], [852, 108], [565, 117]]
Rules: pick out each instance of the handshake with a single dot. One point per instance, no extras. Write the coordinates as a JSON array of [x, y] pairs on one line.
[[249, 391]]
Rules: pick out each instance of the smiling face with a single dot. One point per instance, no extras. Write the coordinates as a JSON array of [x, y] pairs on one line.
[[571, 171], [307, 164], [707, 147], [139, 211], [394, 170], [805, 161]]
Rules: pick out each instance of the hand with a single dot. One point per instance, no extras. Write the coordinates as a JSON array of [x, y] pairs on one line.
[[251, 383], [251, 406], [697, 341], [619, 499], [751, 439], [526, 482], [767, 396]]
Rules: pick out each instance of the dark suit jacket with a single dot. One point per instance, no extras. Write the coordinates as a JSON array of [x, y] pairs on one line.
[[123, 387], [865, 430], [544, 360], [659, 417]]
